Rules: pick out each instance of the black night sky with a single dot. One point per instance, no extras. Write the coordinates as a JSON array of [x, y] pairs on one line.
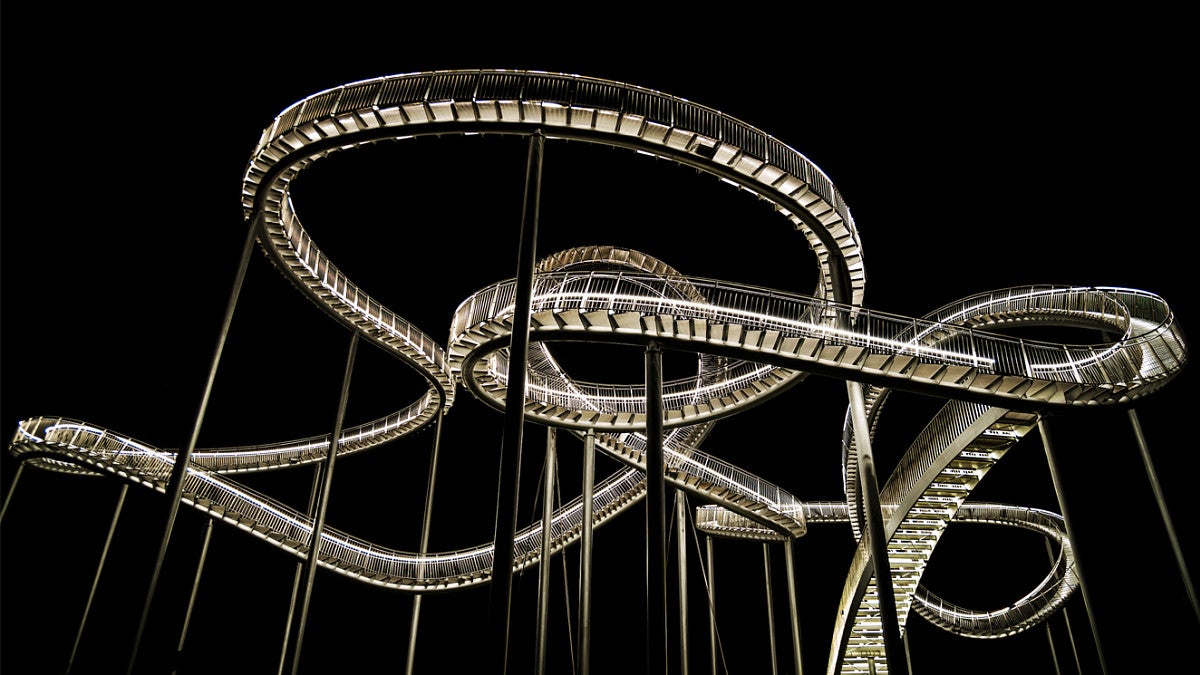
[[970, 161]]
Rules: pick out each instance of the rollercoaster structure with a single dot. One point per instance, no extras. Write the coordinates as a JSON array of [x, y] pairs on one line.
[[751, 343]]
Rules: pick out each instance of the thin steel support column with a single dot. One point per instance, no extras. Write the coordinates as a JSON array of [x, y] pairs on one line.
[[11, 488], [712, 604], [87, 607], [585, 554], [907, 654], [179, 470], [543, 610], [1062, 505], [1053, 651], [507, 497], [872, 511], [1066, 622], [770, 606], [425, 525], [681, 516], [656, 517], [788, 556], [1162, 508], [299, 576], [314, 541], [191, 606]]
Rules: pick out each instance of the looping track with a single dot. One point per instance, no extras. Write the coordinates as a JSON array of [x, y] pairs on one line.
[[752, 344]]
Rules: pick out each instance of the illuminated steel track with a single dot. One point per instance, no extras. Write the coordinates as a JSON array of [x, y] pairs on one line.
[[751, 344]]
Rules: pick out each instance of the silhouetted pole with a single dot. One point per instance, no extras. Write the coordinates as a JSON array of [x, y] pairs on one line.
[[907, 653], [112, 528], [187, 617], [543, 611], [1162, 508], [770, 606], [507, 497], [12, 487], [876, 535], [792, 606], [313, 492], [712, 603], [1049, 633], [1066, 619], [681, 517], [314, 541], [585, 554], [1062, 504], [425, 525], [184, 457], [656, 520]]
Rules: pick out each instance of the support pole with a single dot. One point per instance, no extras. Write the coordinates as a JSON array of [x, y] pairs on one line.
[[1062, 505], [656, 520], [788, 554], [314, 541], [191, 606], [1066, 622], [681, 517], [299, 575], [179, 470], [507, 497], [1162, 509], [11, 488], [770, 606], [87, 608], [712, 604], [425, 524], [543, 610], [877, 536], [585, 554]]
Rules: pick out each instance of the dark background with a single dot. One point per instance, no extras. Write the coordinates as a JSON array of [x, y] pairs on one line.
[[974, 156]]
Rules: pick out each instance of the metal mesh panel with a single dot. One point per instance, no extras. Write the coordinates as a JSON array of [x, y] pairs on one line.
[[457, 86], [403, 90], [598, 95], [317, 106], [287, 119], [698, 118], [548, 88], [653, 106], [358, 96], [498, 86]]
